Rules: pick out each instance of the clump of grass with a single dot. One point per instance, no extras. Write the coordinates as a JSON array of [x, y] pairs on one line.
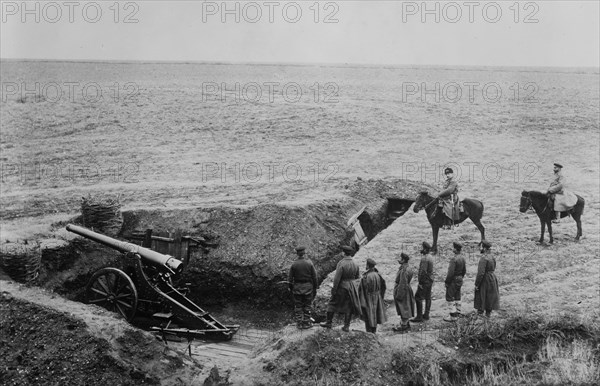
[[521, 331], [524, 349], [573, 363], [418, 367]]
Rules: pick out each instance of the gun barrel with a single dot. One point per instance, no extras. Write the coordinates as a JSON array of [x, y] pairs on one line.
[[147, 254]]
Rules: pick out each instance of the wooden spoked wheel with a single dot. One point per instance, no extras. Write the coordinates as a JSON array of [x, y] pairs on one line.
[[112, 289]]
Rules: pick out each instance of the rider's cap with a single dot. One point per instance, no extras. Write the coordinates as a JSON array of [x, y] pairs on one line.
[[371, 262], [404, 257], [486, 244], [558, 166], [300, 249], [347, 249], [448, 170], [457, 246]]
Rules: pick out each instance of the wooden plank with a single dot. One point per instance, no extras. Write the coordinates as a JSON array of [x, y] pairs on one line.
[[222, 347], [244, 342], [223, 351], [253, 332], [243, 345], [213, 355]]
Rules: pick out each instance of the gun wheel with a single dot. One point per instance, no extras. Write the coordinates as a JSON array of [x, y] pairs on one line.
[[112, 289]]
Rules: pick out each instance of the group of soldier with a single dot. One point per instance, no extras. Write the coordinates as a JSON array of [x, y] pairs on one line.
[[352, 295]]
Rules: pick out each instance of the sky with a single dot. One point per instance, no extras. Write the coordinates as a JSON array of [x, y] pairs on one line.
[[488, 33]]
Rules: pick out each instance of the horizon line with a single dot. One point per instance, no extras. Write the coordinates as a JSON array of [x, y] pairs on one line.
[[296, 64]]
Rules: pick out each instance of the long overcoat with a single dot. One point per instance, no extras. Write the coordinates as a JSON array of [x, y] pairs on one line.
[[563, 198], [343, 289], [487, 296], [404, 297], [372, 290], [449, 199]]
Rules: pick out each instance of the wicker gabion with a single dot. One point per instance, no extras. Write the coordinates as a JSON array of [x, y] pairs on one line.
[[103, 214], [21, 261]]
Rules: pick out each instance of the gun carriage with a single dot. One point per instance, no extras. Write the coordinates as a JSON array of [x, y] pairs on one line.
[[145, 286]]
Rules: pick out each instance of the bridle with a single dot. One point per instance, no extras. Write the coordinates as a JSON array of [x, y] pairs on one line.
[[528, 204], [420, 205]]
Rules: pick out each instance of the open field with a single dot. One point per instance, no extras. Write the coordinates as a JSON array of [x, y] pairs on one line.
[[160, 142]]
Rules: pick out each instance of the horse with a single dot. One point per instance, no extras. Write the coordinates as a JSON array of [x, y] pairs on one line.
[[473, 210], [539, 202]]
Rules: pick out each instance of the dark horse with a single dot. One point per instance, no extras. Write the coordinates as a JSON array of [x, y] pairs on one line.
[[539, 202], [473, 209]]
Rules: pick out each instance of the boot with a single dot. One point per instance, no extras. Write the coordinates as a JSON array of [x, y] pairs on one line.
[[329, 321], [405, 329], [419, 317], [556, 218], [347, 319], [488, 313], [452, 306], [427, 308], [457, 305]]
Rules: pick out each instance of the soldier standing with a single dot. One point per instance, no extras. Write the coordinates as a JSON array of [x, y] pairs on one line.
[[487, 295], [302, 280], [404, 297], [457, 269], [341, 299], [425, 284], [372, 291]]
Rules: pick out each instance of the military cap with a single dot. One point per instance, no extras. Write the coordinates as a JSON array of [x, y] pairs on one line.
[[448, 170], [347, 249], [558, 165], [371, 262], [300, 249], [404, 257], [426, 247], [486, 244], [457, 246]]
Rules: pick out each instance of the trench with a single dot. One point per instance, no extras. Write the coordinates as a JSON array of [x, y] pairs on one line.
[[237, 267]]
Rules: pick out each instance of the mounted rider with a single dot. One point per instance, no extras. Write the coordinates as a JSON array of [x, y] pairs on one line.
[[448, 197], [559, 199]]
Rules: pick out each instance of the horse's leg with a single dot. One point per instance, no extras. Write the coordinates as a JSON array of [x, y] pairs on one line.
[[436, 230], [577, 219], [550, 231], [481, 228], [543, 225]]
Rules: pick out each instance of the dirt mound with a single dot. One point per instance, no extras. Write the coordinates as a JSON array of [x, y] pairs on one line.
[[252, 246], [43, 346], [327, 356]]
